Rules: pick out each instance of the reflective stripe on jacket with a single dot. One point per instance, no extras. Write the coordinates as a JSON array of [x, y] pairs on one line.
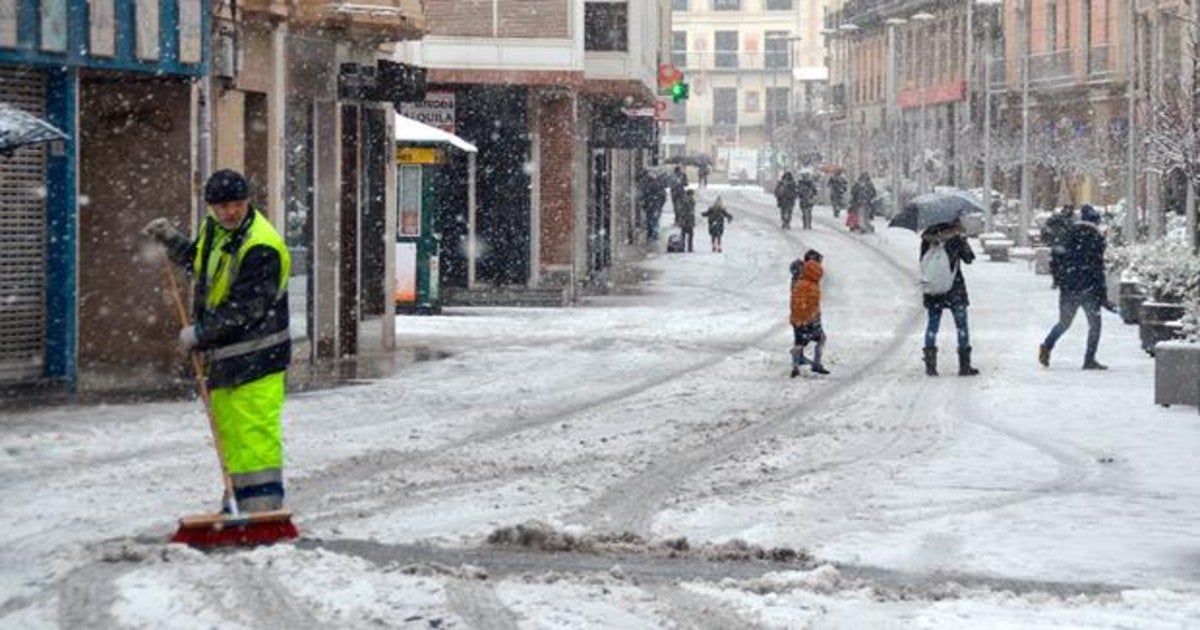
[[241, 300]]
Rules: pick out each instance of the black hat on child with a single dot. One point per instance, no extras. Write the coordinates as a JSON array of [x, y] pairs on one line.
[[224, 186]]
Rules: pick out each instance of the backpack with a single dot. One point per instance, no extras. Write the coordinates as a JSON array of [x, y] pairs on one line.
[[937, 275]]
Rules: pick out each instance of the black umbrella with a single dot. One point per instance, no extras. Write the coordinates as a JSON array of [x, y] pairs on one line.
[[19, 128], [936, 208]]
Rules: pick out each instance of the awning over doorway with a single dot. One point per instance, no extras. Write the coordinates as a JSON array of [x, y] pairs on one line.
[[409, 130], [19, 128]]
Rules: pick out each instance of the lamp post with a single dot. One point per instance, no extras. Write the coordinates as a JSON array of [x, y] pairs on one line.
[[1026, 192], [989, 26], [846, 31], [1130, 127], [923, 174], [893, 87], [773, 113]]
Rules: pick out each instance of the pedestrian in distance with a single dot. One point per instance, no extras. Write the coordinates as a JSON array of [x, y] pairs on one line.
[[702, 175], [1053, 236], [685, 218], [679, 184], [1081, 284], [717, 216], [806, 195], [837, 192], [785, 199], [944, 250], [651, 191], [239, 267], [806, 312], [862, 195]]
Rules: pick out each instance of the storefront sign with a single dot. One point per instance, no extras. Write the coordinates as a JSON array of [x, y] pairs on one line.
[[437, 110], [418, 155]]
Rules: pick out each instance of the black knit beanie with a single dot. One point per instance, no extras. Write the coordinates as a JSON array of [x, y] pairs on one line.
[[224, 186]]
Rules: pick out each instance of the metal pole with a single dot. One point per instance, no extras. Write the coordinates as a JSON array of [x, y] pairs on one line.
[[893, 116], [1131, 126], [1026, 193], [926, 79], [1193, 158], [969, 71], [989, 223]]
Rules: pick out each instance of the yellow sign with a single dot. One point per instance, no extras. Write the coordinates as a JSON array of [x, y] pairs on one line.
[[418, 155]]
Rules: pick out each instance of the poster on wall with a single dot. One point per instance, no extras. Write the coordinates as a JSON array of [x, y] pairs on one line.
[[437, 110], [406, 273]]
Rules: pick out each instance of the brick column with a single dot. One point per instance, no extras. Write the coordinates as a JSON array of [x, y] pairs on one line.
[[556, 131]]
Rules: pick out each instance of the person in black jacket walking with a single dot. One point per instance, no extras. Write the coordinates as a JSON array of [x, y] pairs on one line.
[[949, 236], [785, 199], [1080, 283]]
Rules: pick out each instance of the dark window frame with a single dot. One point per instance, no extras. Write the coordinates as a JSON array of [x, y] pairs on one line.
[[606, 27], [723, 56]]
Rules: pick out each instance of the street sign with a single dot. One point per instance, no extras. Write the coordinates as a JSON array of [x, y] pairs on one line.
[[437, 110]]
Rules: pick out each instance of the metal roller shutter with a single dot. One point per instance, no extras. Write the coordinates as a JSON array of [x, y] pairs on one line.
[[23, 238]]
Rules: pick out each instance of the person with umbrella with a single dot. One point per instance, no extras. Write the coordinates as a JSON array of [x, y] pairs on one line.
[[1080, 284], [944, 250]]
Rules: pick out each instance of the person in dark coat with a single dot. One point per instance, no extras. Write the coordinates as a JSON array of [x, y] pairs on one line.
[[653, 197], [1053, 236], [785, 199], [679, 184], [1081, 283], [837, 192], [806, 194], [958, 250], [862, 195], [717, 215], [685, 218], [702, 174]]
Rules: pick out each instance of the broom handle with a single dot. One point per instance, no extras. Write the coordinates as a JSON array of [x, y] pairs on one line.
[[202, 388]]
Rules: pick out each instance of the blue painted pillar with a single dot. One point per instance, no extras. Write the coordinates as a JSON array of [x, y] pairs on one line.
[[62, 228]]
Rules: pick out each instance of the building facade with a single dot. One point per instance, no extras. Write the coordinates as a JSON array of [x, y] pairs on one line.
[[154, 96], [757, 76], [541, 88], [958, 65]]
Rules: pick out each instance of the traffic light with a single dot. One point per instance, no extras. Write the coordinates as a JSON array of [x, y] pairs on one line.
[[679, 91]]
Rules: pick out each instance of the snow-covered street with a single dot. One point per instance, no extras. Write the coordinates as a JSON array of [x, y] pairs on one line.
[[664, 468]]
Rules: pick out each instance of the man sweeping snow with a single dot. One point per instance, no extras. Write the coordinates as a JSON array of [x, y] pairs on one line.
[[240, 267]]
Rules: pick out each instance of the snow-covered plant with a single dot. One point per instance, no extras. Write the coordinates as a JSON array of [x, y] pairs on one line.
[[1191, 323], [1167, 267]]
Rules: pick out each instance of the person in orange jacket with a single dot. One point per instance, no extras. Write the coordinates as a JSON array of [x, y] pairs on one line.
[[806, 312]]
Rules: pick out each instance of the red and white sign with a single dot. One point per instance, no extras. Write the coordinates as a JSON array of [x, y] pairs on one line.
[[934, 94], [437, 110]]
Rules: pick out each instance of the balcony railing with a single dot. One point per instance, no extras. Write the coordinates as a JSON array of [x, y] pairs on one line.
[[732, 61]]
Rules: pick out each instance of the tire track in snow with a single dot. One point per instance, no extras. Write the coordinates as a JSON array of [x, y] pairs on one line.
[[308, 490], [631, 504]]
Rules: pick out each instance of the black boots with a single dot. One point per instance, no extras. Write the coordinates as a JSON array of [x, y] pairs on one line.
[[964, 363], [931, 361]]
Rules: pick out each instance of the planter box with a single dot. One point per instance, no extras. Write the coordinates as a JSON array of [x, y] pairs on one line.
[[997, 250], [1177, 374], [1158, 321]]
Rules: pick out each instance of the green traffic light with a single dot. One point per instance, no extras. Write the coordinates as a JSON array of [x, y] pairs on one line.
[[679, 91]]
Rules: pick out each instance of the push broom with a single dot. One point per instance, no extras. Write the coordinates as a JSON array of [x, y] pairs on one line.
[[232, 527]]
